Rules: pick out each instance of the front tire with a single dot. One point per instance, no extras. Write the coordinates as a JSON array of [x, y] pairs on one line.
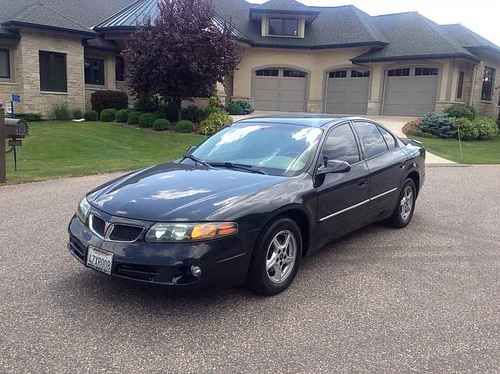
[[276, 258], [403, 213]]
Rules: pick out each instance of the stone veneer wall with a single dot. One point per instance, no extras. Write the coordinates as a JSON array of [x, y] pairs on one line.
[[34, 100]]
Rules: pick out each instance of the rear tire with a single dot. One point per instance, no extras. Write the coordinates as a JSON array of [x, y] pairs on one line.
[[403, 213], [276, 258]]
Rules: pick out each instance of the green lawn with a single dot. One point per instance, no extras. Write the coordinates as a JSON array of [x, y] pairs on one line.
[[474, 152], [60, 149]]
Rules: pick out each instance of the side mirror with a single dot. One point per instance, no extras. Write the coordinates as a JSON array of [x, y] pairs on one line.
[[191, 149], [333, 167]]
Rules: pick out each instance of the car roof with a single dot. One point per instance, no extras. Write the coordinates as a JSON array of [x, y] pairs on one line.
[[312, 120]]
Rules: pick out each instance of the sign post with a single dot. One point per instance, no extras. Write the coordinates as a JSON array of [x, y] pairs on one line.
[[3, 166]]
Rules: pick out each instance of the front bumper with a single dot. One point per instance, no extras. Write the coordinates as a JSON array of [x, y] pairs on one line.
[[223, 261]]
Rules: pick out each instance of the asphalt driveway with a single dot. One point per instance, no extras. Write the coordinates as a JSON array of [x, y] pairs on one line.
[[422, 299]]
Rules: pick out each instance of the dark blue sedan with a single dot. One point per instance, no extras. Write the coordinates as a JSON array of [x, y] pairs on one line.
[[249, 203]]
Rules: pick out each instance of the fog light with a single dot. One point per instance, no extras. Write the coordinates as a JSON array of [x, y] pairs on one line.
[[196, 271]]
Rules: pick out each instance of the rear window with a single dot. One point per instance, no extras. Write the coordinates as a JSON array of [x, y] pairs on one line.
[[372, 141]]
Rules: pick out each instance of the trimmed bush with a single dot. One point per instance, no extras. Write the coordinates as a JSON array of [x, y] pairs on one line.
[[461, 111], [194, 114], [239, 108], [148, 104], [108, 115], [77, 114], [109, 100], [486, 126], [29, 117], [439, 124], [412, 128], [161, 124], [91, 115], [466, 129], [133, 118], [215, 122], [184, 126], [60, 112], [122, 116], [147, 120]]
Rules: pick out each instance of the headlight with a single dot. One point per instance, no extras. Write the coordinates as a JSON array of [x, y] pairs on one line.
[[83, 210], [176, 232]]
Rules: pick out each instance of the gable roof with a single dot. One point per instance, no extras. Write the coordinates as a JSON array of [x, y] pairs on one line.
[[412, 36], [290, 5]]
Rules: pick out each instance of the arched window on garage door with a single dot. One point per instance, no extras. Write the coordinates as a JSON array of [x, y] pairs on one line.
[[347, 91]]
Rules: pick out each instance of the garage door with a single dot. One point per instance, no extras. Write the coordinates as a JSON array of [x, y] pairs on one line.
[[410, 91], [280, 90], [347, 92]]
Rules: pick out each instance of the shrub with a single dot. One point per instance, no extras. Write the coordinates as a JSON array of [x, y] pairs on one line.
[[466, 129], [194, 114], [108, 115], [147, 120], [147, 104], [133, 118], [91, 115], [184, 126], [60, 112], [161, 124], [461, 111], [109, 100], [169, 111], [77, 114], [486, 127], [29, 117], [214, 102], [215, 122], [239, 108], [122, 116], [412, 128], [439, 124]]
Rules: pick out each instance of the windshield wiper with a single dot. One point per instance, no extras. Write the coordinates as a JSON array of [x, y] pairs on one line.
[[230, 165], [196, 159]]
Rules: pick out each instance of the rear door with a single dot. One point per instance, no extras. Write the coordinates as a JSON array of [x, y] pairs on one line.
[[385, 162], [342, 197]]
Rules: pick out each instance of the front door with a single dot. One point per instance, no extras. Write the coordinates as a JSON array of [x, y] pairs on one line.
[[342, 197]]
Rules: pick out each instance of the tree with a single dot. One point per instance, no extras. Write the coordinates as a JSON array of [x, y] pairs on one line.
[[181, 54]]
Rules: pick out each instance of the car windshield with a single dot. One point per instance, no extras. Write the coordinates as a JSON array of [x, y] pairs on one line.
[[276, 149]]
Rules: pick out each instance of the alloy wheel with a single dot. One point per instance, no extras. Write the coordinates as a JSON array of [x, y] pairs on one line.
[[281, 256], [406, 204]]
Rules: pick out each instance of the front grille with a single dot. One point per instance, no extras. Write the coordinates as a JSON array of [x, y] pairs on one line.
[[140, 272], [98, 225], [125, 233]]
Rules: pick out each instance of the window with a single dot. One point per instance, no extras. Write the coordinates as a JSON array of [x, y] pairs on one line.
[[359, 74], [399, 72], [389, 139], [338, 74], [460, 87], [4, 64], [371, 139], [267, 73], [120, 69], [284, 26], [341, 145], [488, 84], [294, 74], [94, 71], [426, 71], [53, 72]]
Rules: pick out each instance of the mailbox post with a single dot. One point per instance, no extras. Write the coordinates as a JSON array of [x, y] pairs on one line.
[[3, 166]]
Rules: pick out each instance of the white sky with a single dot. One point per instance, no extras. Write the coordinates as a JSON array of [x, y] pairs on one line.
[[481, 16]]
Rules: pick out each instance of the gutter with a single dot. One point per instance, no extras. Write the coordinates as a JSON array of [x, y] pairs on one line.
[[414, 57], [89, 34]]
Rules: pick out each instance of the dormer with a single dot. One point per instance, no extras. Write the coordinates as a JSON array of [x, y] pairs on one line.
[[283, 18]]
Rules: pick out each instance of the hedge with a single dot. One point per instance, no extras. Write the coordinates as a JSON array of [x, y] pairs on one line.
[[109, 100]]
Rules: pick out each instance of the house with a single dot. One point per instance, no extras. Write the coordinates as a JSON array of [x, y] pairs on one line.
[[293, 57]]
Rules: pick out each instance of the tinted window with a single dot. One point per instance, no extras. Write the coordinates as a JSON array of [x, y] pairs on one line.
[[267, 73], [460, 87], [94, 71], [294, 73], [488, 84], [4, 63], [338, 74], [399, 72], [359, 74], [371, 139], [426, 71], [389, 139], [120, 69], [53, 72], [341, 145], [284, 26]]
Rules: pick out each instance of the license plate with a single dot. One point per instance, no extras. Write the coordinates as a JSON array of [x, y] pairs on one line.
[[100, 260]]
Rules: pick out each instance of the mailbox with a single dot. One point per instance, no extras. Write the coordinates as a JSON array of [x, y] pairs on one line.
[[15, 128]]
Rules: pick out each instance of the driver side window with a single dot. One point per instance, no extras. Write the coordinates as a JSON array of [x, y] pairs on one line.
[[341, 145]]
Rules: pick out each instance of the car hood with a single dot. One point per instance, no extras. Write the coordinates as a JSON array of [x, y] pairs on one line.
[[178, 192]]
